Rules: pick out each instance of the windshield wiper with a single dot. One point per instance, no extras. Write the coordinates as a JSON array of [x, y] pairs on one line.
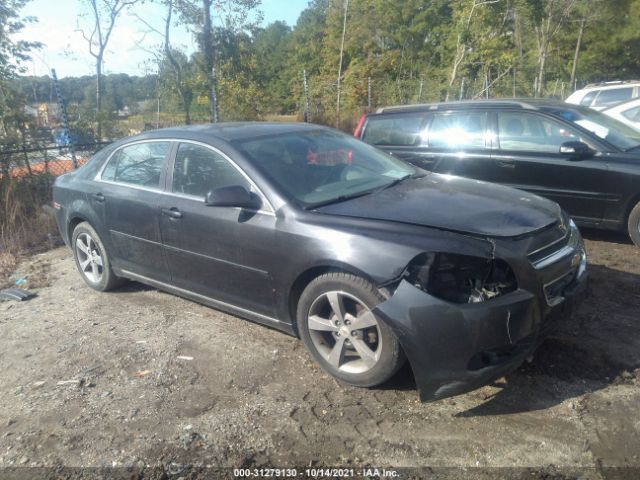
[[339, 199], [633, 148]]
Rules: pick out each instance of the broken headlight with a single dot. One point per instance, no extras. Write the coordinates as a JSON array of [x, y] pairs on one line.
[[460, 278]]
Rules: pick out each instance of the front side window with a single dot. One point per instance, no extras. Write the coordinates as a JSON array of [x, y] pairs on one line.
[[394, 129], [199, 170], [613, 96], [632, 114], [138, 164], [525, 132], [458, 130], [613, 131]]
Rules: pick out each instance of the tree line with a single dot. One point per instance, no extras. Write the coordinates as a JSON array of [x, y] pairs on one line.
[[356, 54]]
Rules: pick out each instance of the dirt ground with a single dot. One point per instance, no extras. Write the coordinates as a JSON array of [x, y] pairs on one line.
[[139, 378]]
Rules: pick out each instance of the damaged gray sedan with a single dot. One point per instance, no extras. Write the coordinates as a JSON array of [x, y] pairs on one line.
[[369, 260]]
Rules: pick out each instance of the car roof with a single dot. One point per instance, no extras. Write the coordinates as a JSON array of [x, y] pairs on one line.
[[610, 85], [227, 131], [523, 103]]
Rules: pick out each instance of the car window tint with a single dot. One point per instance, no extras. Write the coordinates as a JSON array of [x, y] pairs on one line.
[[632, 114], [395, 129], [139, 164], [588, 98], [458, 130], [525, 132], [199, 170], [613, 96]]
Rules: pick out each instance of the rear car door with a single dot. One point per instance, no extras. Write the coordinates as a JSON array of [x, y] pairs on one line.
[[528, 146], [217, 252], [128, 188], [461, 141]]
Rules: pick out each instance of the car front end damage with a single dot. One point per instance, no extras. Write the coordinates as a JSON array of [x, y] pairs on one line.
[[464, 321]]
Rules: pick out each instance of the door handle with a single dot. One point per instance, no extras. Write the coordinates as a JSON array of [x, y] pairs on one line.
[[172, 212], [98, 197]]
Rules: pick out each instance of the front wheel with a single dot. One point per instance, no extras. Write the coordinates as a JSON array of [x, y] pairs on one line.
[[337, 324], [634, 224], [92, 259]]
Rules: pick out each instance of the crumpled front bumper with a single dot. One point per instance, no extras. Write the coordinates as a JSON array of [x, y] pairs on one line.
[[454, 348]]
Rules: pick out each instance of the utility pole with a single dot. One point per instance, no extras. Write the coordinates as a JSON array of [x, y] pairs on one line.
[[65, 119], [369, 94], [214, 95], [305, 86], [420, 90], [461, 89]]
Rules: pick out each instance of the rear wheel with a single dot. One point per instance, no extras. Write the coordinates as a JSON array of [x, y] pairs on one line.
[[92, 259], [634, 224], [338, 326]]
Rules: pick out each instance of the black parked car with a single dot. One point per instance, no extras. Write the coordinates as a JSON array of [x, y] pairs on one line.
[[582, 159], [365, 257]]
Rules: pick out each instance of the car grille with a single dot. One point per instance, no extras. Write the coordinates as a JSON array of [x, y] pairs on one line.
[[558, 262]]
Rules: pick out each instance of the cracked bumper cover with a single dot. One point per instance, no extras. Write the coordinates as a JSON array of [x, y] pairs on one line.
[[454, 348]]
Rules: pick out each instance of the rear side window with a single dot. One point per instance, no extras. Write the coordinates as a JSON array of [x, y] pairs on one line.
[[588, 98], [394, 129], [138, 164], [613, 96], [458, 130]]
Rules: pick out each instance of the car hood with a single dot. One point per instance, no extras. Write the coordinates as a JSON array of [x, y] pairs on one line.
[[453, 203]]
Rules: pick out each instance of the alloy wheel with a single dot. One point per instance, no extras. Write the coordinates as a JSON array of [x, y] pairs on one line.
[[345, 332], [89, 258]]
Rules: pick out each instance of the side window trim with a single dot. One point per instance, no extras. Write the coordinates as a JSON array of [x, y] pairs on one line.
[[171, 168], [163, 171]]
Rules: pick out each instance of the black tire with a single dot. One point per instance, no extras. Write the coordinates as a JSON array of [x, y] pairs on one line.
[[105, 280], [355, 293], [633, 224]]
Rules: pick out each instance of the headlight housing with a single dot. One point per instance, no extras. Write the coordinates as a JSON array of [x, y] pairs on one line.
[[460, 278]]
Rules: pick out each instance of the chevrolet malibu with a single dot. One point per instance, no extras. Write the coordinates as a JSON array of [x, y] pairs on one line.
[[369, 260]]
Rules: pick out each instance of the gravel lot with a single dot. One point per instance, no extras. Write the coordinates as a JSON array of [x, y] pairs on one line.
[[139, 377]]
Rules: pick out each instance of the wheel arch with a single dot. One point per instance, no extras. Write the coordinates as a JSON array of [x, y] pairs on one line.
[[310, 274], [635, 200], [73, 222]]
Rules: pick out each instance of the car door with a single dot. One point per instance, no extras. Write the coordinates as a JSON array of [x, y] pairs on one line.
[[461, 142], [528, 145], [217, 252], [128, 189]]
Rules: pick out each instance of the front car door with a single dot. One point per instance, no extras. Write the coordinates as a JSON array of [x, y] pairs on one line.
[[128, 190], [528, 145], [214, 251]]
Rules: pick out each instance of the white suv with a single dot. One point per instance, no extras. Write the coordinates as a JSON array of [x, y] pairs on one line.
[[603, 95]]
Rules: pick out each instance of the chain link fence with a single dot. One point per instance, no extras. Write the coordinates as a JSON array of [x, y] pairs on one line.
[[27, 173]]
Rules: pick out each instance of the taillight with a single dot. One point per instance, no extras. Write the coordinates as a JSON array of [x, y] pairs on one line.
[[358, 130]]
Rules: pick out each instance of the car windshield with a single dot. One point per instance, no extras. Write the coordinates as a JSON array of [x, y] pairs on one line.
[[613, 131], [322, 166]]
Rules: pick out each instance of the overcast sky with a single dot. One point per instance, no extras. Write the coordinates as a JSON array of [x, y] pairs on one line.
[[59, 22]]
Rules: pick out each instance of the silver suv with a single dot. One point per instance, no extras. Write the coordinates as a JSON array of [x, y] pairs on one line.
[[607, 94]]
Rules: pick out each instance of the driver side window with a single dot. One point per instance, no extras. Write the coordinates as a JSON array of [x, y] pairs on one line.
[[199, 169], [524, 132]]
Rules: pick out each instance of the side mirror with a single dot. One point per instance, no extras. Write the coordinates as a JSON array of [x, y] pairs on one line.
[[576, 149], [232, 196]]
